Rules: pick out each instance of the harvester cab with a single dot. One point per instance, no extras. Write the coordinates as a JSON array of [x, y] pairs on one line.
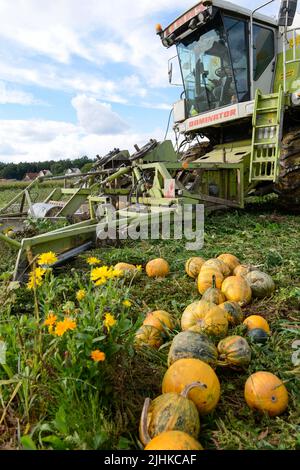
[[214, 41], [240, 74]]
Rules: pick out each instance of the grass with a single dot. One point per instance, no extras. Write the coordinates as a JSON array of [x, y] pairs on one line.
[[20, 185], [64, 414], [39, 192]]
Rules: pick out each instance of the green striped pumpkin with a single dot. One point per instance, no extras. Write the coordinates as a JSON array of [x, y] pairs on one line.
[[234, 351], [190, 344], [170, 412], [234, 312], [213, 294]]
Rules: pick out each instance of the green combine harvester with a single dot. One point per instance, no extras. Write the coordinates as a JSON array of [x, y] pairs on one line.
[[238, 124]]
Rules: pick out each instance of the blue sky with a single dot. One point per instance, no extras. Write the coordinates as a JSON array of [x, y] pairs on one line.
[[80, 78]]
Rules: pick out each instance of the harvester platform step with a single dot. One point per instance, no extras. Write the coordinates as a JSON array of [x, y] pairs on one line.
[[265, 159], [264, 126], [266, 136], [266, 142], [264, 178], [266, 110]]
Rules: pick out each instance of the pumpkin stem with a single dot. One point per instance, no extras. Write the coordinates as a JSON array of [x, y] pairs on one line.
[[222, 364], [188, 388], [214, 284], [144, 428]]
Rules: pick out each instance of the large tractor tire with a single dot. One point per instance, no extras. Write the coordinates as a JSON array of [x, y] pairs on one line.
[[288, 186]]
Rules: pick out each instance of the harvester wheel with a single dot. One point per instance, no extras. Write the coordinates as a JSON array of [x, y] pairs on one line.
[[288, 186]]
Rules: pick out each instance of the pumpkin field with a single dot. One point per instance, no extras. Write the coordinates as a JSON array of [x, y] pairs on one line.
[[100, 355]]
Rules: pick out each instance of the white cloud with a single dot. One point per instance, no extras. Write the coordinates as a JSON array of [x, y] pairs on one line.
[[58, 43], [34, 140], [46, 36], [13, 96], [100, 52], [102, 33], [161, 106], [97, 118], [70, 80], [133, 86], [99, 129], [8, 151]]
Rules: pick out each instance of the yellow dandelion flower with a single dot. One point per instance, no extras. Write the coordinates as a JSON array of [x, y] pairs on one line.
[[81, 294], [127, 303], [50, 320], [47, 259], [98, 356], [139, 268], [34, 282], [111, 273], [93, 261], [35, 278], [98, 273], [100, 282], [40, 272], [117, 273], [109, 321], [63, 326]]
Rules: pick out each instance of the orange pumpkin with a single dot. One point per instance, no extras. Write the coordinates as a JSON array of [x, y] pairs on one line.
[[186, 371], [125, 267], [174, 440], [237, 289], [193, 313], [266, 393], [148, 336], [157, 268], [193, 309], [205, 317], [256, 321], [231, 260], [242, 270], [160, 319], [216, 263], [193, 266], [234, 312], [213, 294], [205, 279]]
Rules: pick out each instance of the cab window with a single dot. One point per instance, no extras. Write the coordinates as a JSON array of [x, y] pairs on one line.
[[238, 42], [264, 49]]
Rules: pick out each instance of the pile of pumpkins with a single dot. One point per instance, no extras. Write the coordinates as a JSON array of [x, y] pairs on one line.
[[226, 285], [190, 387]]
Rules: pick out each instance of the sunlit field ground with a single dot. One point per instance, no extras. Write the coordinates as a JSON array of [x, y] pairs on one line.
[[54, 396]]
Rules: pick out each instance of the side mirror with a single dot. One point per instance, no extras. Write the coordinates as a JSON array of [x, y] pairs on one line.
[[173, 71], [287, 12]]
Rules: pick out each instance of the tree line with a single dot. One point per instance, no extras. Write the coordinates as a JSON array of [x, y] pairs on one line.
[[18, 171]]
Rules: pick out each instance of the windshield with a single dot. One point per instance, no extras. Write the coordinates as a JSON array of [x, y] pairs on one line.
[[206, 69]]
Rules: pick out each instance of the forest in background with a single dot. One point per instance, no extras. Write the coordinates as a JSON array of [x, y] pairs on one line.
[[17, 171]]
